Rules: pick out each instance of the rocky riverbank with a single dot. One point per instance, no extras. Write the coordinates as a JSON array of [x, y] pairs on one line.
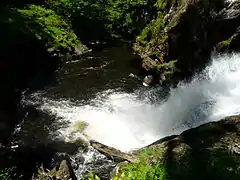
[[211, 151], [185, 33]]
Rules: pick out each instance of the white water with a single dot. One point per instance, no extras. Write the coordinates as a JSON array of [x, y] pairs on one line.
[[125, 122]]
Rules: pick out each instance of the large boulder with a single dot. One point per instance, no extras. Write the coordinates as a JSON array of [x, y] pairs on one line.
[[188, 31], [210, 151]]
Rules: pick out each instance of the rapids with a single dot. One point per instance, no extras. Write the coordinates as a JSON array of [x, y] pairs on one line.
[[131, 120]]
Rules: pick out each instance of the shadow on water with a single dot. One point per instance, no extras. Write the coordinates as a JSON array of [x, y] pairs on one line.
[[82, 78], [33, 145], [36, 140]]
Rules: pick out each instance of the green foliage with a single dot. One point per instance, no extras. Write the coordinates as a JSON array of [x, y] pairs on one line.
[[148, 167], [126, 16], [224, 165], [154, 32], [7, 173], [113, 18], [46, 25], [227, 42], [92, 176], [233, 118], [79, 126], [161, 4]]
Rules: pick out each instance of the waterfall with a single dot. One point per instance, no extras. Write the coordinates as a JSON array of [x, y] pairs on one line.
[[128, 121]]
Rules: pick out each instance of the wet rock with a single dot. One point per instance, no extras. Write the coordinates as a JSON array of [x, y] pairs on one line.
[[63, 173], [148, 80], [210, 151], [81, 49], [187, 31], [112, 153], [207, 149]]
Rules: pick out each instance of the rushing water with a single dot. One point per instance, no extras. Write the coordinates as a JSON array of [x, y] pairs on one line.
[[122, 114]]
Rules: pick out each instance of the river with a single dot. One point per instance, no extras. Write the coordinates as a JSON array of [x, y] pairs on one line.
[[118, 111]]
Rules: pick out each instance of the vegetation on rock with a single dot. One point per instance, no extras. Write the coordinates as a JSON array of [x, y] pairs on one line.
[[100, 19], [79, 126], [210, 151], [145, 168], [188, 31], [170, 35], [46, 25], [7, 173], [63, 173]]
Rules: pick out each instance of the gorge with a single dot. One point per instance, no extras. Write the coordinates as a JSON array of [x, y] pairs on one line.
[[73, 103]]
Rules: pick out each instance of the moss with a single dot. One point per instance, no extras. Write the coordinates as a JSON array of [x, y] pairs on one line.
[[224, 165], [233, 118], [92, 176], [152, 41], [227, 42], [181, 162], [42, 175], [149, 166], [79, 126], [53, 172], [62, 173], [166, 66], [154, 30], [7, 173]]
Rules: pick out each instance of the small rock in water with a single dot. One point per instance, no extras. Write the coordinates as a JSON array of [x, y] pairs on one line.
[[131, 75], [148, 80]]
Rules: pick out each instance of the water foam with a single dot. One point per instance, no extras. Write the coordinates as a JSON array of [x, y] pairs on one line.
[[126, 122]]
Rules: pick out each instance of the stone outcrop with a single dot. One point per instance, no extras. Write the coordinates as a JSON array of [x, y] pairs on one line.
[[63, 172], [112, 153], [188, 31], [210, 151]]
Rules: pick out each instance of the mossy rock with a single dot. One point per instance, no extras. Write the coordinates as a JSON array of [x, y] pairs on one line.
[[233, 118], [112, 153], [210, 151], [64, 172], [225, 45], [79, 126], [188, 31]]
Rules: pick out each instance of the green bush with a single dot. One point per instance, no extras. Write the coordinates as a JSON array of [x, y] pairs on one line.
[[153, 32], [101, 18], [129, 17], [46, 25], [148, 167], [7, 173]]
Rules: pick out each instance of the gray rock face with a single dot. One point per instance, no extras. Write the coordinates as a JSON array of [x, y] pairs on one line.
[[210, 151], [192, 29]]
